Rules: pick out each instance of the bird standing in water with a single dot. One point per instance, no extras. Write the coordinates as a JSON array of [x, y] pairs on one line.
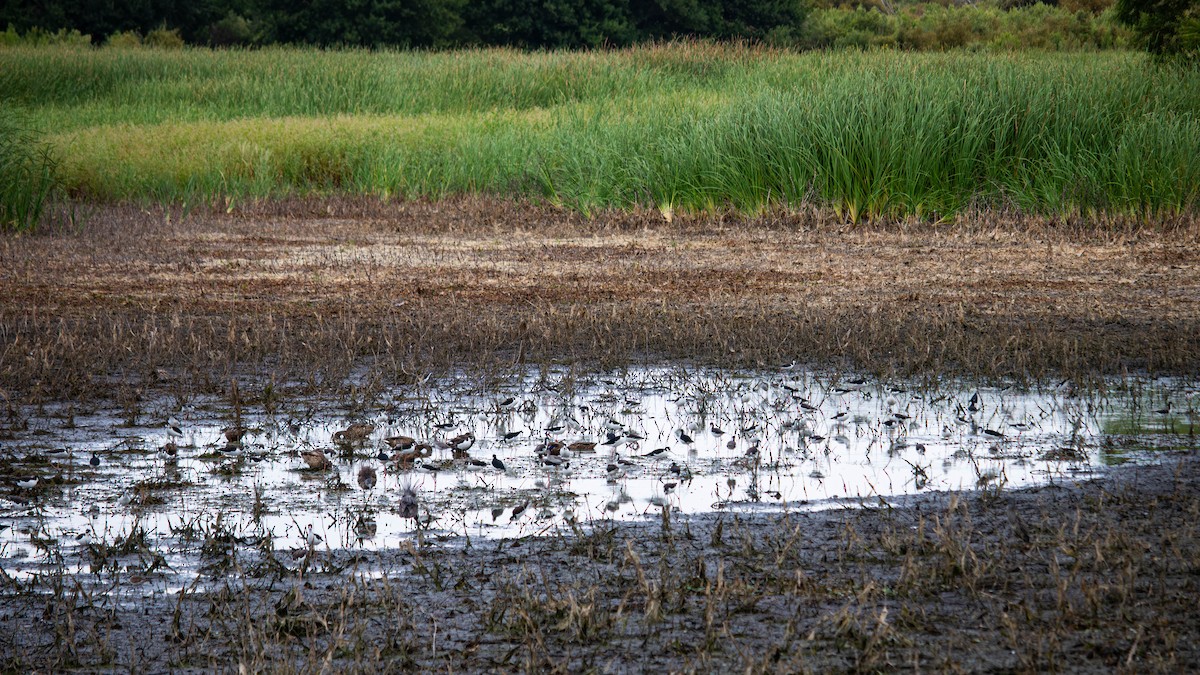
[[408, 501], [366, 477]]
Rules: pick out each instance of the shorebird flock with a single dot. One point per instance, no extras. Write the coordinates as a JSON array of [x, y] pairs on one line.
[[620, 449]]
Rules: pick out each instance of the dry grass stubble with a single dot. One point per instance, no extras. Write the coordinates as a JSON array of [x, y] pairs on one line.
[[306, 291]]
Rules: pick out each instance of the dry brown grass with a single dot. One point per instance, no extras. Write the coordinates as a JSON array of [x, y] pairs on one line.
[[309, 290]]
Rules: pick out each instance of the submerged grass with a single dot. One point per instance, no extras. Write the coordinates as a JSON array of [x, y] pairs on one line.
[[677, 127]]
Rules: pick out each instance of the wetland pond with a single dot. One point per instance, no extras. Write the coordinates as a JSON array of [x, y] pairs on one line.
[[157, 490]]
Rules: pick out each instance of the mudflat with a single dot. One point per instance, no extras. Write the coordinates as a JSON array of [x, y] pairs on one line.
[[418, 284]]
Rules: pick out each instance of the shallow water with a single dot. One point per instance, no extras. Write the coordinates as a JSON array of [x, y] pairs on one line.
[[781, 440]]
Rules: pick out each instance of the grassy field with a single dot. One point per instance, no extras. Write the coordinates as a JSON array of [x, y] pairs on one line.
[[676, 127]]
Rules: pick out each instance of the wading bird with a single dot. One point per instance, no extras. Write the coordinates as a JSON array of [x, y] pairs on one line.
[[462, 443], [400, 442], [366, 477], [405, 460], [408, 501]]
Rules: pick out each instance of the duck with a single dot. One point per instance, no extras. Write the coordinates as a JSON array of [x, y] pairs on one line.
[[316, 459], [582, 446], [234, 434], [354, 433]]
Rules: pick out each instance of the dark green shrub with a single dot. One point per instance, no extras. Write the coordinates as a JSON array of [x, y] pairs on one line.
[[1165, 27]]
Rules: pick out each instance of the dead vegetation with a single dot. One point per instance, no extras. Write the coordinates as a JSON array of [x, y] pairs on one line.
[[310, 291], [1096, 576]]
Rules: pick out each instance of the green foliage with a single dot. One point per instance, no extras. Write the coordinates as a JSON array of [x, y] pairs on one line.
[[164, 38], [36, 36], [690, 126], [27, 176], [931, 26], [1166, 27], [127, 39], [233, 30], [368, 23]]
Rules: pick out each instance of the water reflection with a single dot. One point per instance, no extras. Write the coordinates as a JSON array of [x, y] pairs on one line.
[[179, 495]]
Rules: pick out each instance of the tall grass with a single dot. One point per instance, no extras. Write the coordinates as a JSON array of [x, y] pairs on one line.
[[27, 176], [688, 126]]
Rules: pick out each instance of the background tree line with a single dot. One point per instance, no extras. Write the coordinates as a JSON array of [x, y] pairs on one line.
[[415, 23], [1163, 26]]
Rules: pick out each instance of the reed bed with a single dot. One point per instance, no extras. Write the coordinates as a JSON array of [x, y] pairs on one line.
[[679, 127]]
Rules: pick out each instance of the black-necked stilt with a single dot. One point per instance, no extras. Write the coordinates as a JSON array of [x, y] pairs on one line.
[[683, 436], [508, 436], [518, 510], [400, 442], [312, 538], [95, 460], [498, 464], [716, 430], [404, 460], [174, 428], [506, 403], [615, 441], [462, 442], [655, 452], [614, 472], [27, 484], [422, 467], [382, 456]]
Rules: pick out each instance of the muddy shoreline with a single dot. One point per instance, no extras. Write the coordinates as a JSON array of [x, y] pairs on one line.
[[1099, 575], [312, 290], [349, 299]]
